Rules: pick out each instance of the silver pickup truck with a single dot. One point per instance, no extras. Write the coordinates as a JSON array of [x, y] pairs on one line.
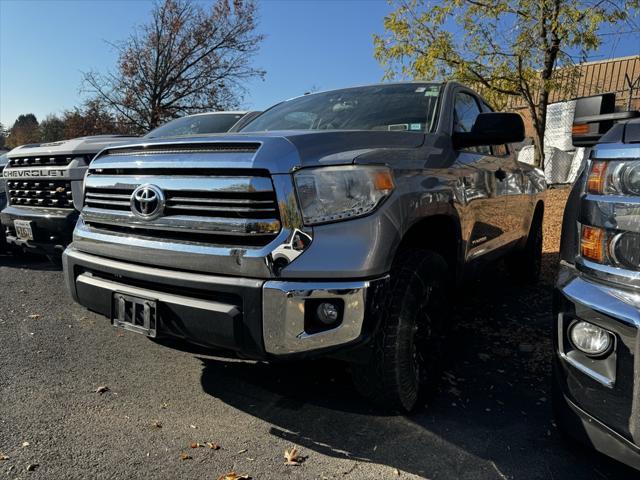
[[334, 224]]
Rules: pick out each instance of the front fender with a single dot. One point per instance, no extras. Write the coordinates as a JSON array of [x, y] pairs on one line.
[[365, 247]]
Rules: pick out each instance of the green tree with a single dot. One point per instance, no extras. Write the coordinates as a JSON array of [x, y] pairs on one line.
[[507, 48], [51, 129], [25, 130]]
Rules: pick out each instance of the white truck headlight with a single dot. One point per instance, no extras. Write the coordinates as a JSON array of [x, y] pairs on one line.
[[330, 194]]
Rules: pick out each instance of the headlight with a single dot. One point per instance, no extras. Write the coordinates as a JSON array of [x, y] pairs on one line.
[[620, 249], [330, 194], [614, 178], [612, 243]]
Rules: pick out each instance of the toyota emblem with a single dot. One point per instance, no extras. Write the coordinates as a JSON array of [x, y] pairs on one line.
[[147, 201]]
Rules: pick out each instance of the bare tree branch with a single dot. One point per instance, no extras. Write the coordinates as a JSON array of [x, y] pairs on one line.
[[187, 59]]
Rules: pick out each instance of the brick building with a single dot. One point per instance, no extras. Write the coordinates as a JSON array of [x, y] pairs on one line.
[[619, 75]]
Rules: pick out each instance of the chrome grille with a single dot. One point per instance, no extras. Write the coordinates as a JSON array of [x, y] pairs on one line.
[[40, 193], [210, 206]]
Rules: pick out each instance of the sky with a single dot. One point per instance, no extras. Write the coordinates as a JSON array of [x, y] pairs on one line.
[[45, 45]]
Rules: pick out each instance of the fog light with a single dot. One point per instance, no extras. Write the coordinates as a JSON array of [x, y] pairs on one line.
[[327, 313], [590, 339]]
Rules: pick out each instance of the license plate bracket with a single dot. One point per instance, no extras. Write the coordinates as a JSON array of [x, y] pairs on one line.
[[23, 229], [139, 315]]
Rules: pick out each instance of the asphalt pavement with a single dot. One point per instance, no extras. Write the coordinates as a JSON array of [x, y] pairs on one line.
[[79, 399]]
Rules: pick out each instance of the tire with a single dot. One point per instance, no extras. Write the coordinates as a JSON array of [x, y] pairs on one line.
[[409, 344], [524, 266]]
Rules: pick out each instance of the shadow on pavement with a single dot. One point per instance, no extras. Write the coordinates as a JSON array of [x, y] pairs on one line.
[[491, 419], [28, 261]]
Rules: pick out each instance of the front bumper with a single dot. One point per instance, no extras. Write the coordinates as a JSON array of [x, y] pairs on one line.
[[598, 399], [52, 228], [256, 318]]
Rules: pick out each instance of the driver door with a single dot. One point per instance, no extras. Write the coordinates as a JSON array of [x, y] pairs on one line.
[[482, 178]]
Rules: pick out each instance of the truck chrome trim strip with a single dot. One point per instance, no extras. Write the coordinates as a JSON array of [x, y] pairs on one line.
[[184, 223], [204, 183], [152, 273], [588, 372], [283, 314], [169, 298], [611, 275], [603, 299], [176, 254]]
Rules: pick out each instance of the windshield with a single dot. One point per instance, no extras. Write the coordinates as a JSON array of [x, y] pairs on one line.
[[393, 107], [196, 124]]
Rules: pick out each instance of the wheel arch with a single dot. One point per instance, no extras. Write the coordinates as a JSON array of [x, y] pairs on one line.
[[447, 240]]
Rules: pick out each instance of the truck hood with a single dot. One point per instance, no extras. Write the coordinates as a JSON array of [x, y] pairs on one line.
[[76, 146], [278, 152]]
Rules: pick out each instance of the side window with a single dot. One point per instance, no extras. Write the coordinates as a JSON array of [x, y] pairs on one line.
[[465, 112]]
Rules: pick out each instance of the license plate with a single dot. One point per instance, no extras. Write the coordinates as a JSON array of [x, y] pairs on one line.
[[136, 314], [23, 229]]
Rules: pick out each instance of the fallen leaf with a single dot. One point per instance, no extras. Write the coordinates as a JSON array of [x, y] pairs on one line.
[[101, 389], [119, 333], [164, 405], [25, 444], [185, 456], [196, 445], [32, 466], [192, 426], [292, 457], [156, 424], [213, 446], [3, 457], [244, 450], [35, 316], [233, 476]]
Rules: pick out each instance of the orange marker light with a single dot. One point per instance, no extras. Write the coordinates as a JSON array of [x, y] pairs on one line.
[[383, 181], [597, 177], [580, 128], [592, 243]]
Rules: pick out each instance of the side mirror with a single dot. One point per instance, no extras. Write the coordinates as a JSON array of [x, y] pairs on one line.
[[594, 116], [494, 128]]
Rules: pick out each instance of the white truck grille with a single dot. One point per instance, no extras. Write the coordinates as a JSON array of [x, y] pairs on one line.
[[40, 193]]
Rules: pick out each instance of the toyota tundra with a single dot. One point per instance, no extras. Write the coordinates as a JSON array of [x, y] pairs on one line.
[[334, 224]]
